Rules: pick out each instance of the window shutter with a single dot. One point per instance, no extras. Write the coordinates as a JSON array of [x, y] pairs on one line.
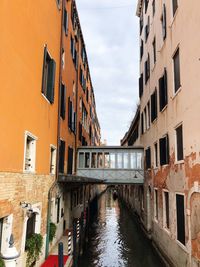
[[70, 160], [61, 156], [65, 21], [165, 87], [43, 71], [69, 114], [164, 22], [63, 101], [162, 152], [51, 80]]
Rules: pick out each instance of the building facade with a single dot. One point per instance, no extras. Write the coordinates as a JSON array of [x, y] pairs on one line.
[[47, 86], [166, 125]]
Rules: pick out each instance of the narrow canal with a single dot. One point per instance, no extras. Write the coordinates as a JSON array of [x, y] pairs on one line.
[[115, 240]]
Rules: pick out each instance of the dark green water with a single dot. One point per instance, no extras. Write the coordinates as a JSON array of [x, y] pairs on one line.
[[115, 240]]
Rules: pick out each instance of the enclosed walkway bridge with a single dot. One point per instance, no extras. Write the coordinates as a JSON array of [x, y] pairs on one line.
[[112, 165]]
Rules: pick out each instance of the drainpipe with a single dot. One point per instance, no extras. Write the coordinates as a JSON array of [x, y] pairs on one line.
[[58, 136]]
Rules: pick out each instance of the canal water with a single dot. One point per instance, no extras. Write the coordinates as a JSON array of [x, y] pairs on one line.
[[115, 240]]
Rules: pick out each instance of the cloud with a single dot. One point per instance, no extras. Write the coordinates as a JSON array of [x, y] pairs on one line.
[[111, 38]]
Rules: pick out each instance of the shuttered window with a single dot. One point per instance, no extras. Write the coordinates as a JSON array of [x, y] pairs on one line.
[[141, 84], [154, 50], [156, 155], [164, 150], [142, 123], [80, 132], [70, 161], [147, 29], [48, 77], [164, 22], [141, 49], [30, 228], [154, 108], [175, 6], [166, 209], [177, 81], [61, 156], [65, 21], [163, 94], [180, 218], [63, 101], [148, 158], [146, 2], [58, 209], [147, 69], [179, 142], [153, 7]]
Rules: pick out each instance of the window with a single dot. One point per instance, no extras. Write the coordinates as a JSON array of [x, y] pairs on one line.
[[164, 22], [154, 50], [147, 69], [126, 161], [61, 156], [141, 85], [153, 7], [156, 155], [156, 204], [174, 6], [163, 97], [48, 76], [141, 23], [1, 231], [112, 161], [99, 160], [58, 209], [141, 49], [154, 108], [80, 132], [94, 160], [133, 160], [87, 160], [81, 160], [65, 22], [139, 160], [106, 160], [30, 152], [119, 160], [164, 150], [148, 158], [148, 115], [63, 101], [177, 81], [146, 5], [72, 47], [145, 119], [71, 116], [30, 227], [70, 160], [179, 143], [142, 123], [53, 160], [180, 218], [147, 29], [166, 209]]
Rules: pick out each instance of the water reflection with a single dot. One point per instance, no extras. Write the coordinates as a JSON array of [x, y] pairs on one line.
[[116, 241]]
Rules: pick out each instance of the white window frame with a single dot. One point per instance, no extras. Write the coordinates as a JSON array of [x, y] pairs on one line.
[[29, 134], [53, 159], [156, 206], [164, 211]]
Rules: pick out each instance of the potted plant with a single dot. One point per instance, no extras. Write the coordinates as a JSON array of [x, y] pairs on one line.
[[52, 231]]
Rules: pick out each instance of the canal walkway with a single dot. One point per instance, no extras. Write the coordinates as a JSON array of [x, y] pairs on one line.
[[115, 240]]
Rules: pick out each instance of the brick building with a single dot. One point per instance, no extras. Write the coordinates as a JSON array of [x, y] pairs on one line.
[[166, 125], [47, 111]]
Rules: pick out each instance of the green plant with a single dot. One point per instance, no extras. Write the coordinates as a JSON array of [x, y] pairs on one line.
[[33, 248], [52, 231], [2, 263]]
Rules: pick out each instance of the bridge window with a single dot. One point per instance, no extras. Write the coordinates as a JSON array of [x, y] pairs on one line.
[[126, 161], [119, 160], [139, 160], [107, 160], [100, 160], [81, 160], [94, 160], [133, 160], [112, 161], [87, 160]]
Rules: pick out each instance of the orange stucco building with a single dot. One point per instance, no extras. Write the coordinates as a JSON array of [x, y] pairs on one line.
[[41, 117]]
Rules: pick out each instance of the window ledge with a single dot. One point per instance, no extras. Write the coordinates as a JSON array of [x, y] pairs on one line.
[[165, 165], [29, 172], [181, 245], [173, 19], [177, 92], [46, 98], [177, 162], [165, 107]]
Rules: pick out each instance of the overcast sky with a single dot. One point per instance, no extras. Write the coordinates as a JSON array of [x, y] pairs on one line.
[[110, 29]]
